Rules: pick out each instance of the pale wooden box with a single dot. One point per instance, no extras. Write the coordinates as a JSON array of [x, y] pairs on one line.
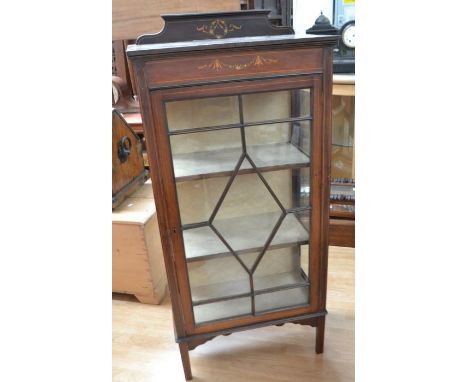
[[137, 258]]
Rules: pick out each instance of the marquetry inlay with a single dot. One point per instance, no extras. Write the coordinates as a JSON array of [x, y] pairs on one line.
[[218, 28], [217, 64]]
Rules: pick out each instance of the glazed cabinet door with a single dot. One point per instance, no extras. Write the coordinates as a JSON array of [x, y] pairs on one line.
[[245, 212]]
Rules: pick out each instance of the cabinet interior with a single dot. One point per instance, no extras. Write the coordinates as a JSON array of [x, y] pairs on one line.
[[242, 171]]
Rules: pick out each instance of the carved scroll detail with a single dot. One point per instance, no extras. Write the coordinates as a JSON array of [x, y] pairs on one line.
[[218, 28], [218, 65]]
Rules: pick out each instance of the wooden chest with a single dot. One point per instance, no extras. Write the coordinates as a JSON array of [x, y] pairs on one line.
[[137, 260]]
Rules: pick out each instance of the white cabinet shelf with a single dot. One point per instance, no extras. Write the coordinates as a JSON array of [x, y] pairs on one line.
[[243, 234], [222, 162]]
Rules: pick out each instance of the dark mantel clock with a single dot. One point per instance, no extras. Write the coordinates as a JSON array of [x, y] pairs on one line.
[[343, 53]]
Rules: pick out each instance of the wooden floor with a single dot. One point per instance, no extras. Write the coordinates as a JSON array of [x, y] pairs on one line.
[[144, 350]]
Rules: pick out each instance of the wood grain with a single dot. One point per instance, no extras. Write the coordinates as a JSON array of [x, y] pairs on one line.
[[258, 73], [342, 232], [209, 66], [137, 259], [127, 173], [144, 349], [131, 19]]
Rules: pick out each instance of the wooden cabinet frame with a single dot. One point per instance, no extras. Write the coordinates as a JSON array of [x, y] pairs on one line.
[[234, 66]]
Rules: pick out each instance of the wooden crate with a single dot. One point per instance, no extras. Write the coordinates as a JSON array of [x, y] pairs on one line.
[[137, 260]]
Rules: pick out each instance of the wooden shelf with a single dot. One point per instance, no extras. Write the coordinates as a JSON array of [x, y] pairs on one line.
[[222, 162], [240, 287], [202, 242]]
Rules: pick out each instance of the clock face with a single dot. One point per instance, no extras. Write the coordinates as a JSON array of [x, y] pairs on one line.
[[348, 36]]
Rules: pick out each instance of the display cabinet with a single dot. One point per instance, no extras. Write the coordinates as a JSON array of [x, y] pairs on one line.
[[342, 198], [237, 120]]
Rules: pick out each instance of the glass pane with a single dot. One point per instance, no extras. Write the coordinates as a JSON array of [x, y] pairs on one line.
[[266, 106], [291, 186], [268, 134], [270, 146], [198, 198], [217, 278], [300, 136], [291, 230], [279, 268], [287, 298], [301, 101], [343, 137], [208, 153], [247, 214], [304, 255], [200, 242], [202, 112], [222, 310], [288, 147], [276, 105], [243, 189]]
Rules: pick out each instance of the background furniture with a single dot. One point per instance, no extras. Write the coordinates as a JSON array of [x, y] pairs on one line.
[[281, 11], [342, 206], [237, 134], [137, 260], [128, 170]]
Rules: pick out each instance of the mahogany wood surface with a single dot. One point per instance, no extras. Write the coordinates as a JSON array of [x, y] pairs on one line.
[[173, 72], [342, 232], [209, 66], [200, 26]]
